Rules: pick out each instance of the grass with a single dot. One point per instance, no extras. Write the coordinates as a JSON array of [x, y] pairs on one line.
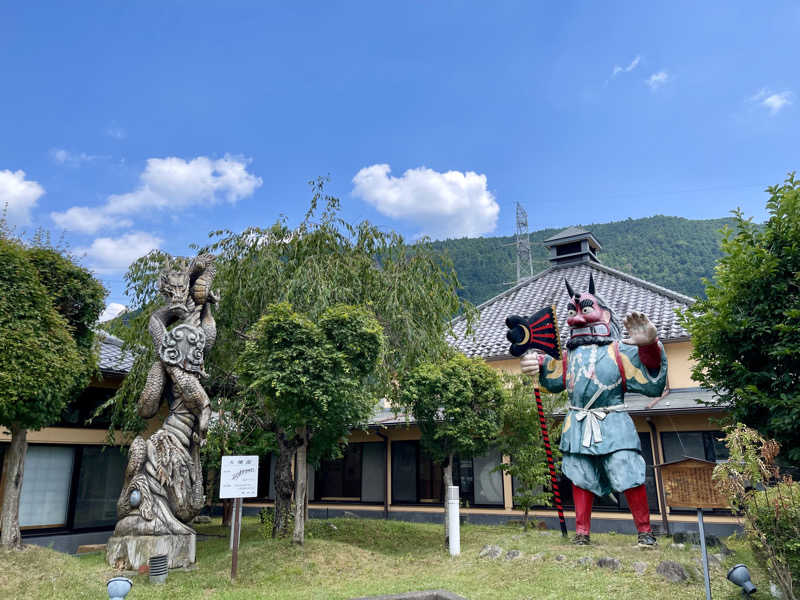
[[364, 557]]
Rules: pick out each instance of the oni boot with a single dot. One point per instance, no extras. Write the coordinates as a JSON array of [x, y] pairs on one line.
[[637, 500], [583, 514]]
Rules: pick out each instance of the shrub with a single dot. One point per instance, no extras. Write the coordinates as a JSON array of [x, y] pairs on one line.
[[774, 529], [770, 504]]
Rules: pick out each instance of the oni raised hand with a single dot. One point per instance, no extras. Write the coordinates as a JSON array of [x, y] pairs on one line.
[[641, 332]]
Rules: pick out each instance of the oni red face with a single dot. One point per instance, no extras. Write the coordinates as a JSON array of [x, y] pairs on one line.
[[585, 317]]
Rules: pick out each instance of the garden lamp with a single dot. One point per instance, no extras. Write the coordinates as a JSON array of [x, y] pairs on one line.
[[740, 575], [118, 587]]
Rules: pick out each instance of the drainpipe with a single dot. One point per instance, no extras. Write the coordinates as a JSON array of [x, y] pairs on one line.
[[662, 502], [386, 465]]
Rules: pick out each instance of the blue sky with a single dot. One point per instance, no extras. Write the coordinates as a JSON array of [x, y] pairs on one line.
[[127, 126]]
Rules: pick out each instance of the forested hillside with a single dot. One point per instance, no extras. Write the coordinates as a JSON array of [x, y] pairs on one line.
[[670, 251]]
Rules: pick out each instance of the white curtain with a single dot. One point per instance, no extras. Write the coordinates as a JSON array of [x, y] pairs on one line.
[[45, 485]]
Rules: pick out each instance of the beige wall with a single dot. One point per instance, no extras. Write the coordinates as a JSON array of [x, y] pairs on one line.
[[679, 374]]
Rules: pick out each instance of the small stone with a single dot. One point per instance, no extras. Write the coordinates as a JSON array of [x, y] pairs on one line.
[[490, 551], [332, 526], [640, 567], [349, 515], [560, 557], [513, 554], [775, 591], [585, 561], [672, 571], [678, 546], [201, 519], [608, 562], [537, 556]]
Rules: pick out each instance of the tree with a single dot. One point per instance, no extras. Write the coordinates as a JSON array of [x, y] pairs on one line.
[[745, 332], [521, 439], [310, 377], [458, 405], [324, 261], [47, 306]]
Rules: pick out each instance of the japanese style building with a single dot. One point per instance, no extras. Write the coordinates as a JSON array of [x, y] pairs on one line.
[[72, 481]]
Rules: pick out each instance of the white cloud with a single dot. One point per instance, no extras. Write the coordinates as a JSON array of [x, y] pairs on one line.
[[111, 311], [113, 255], [172, 183], [451, 204], [656, 80], [772, 101], [634, 63], [88, 220], [64, 157], [18, 196]]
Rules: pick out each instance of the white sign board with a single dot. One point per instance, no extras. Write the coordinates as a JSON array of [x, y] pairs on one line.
[[239, 477]]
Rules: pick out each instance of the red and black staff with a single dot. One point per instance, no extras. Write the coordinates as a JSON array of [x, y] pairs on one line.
[[540, 332]]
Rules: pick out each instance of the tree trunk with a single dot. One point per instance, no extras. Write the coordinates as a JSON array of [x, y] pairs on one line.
[[284, 486], [227, 512], [525, 519], [301, 483], [13, 470], [447, 477]]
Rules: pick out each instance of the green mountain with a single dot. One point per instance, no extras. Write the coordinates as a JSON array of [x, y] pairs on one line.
[[669, 251]]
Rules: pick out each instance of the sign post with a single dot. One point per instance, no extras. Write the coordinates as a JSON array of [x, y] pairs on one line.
[[688, 482], [238, 479]]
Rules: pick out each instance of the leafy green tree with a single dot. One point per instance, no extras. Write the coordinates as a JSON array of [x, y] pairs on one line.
[[310, 378], [745, 332], [458, 405], [47, 307], [521, 440], [325, 261]]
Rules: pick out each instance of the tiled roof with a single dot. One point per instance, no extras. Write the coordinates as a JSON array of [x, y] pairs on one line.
[[112, 359], [623, 292], [568, 232]]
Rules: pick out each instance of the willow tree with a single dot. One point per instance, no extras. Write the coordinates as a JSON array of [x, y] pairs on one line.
[[47, 306], [324, 261]]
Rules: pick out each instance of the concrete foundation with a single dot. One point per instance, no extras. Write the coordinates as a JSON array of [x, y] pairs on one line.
[[132, 551]]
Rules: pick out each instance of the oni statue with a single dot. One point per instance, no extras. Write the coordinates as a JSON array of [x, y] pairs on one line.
[[599, 442]]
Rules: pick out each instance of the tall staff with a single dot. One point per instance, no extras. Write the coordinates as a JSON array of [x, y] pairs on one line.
[[540, 332]]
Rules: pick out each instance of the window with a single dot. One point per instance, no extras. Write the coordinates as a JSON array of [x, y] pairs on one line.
[[100, 482], [46, 486], [340, 479], [431, 480], [404, 472], [373, 470], [488, 482], [705, 445]]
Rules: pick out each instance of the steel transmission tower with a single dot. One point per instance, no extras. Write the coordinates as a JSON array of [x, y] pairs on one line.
[[523, 243]]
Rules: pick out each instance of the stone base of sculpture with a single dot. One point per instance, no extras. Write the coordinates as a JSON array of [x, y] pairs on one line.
[[130, 552]]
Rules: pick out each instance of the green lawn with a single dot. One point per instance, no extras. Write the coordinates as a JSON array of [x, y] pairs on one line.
[[365, 557]]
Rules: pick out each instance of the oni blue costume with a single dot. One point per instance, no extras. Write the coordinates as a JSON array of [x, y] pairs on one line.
[[599, 440]]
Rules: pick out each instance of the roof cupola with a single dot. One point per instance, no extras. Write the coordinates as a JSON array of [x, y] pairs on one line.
[[573, 245]]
